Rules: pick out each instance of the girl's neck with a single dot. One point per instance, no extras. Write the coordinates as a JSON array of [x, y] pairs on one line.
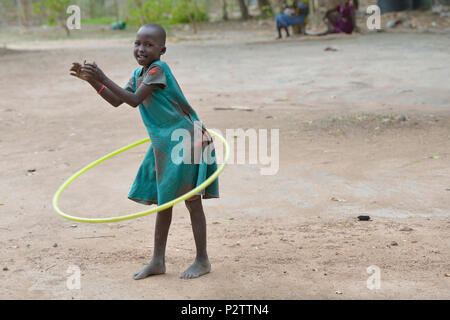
[[145, 68]]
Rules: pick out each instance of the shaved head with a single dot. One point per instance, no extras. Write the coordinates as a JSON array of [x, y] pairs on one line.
[[156, 31]]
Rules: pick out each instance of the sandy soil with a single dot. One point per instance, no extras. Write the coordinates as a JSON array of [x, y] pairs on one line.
[[367, 125]]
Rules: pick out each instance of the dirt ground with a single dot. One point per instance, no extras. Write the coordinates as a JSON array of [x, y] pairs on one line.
[[364, 130]]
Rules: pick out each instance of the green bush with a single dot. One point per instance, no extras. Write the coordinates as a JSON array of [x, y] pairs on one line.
[[182, 10], [53, 10], [165, 12], [156, 10]]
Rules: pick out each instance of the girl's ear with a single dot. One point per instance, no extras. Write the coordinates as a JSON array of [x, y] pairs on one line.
[[163, 50]]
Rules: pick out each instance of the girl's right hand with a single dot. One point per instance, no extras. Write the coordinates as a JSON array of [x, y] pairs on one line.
[[76, 71]]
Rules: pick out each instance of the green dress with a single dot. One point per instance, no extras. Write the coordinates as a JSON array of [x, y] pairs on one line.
[[177, 160]]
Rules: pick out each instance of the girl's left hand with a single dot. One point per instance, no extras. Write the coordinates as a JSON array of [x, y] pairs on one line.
[[92, 72]]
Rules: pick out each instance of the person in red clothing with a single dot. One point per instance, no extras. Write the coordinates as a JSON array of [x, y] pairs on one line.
[[341, 18]]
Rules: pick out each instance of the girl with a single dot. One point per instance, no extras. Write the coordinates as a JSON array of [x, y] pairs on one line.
[[161, 177]]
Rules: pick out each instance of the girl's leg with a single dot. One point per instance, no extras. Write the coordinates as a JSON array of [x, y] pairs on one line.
[[287, 31], [279, 33], [201, 264], [157, 265]]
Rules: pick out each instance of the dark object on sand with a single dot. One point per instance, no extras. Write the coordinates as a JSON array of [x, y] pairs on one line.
[[363, 218]]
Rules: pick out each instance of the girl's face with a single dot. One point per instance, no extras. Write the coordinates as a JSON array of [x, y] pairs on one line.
[[147, 48]]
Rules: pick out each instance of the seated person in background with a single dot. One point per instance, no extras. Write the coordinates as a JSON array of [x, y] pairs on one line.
[[291, 15], [341, 18]]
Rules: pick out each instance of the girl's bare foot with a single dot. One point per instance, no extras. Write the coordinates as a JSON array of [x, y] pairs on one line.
[[153, 268], [197, 269]]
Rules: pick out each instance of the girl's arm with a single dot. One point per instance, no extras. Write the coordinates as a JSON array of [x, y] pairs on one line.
[[92, 72], [106, 94]]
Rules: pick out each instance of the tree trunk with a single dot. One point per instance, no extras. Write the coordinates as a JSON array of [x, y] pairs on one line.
[[116, 9], [224, 10], [2, 16], [66, 28], [91, 8], [138, 5], [19, 12], [316, 25], [313, 11], [244, 10], [194, 24], [193, 19], [265, 8], [26, 12]]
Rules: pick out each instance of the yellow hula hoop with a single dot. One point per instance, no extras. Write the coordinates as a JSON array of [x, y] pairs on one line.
[[164, 206]]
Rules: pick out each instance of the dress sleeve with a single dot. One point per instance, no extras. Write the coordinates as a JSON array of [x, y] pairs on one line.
[[155, 75], [130, 85]]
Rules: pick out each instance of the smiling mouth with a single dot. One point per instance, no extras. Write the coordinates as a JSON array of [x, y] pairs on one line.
[[141, 57]]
